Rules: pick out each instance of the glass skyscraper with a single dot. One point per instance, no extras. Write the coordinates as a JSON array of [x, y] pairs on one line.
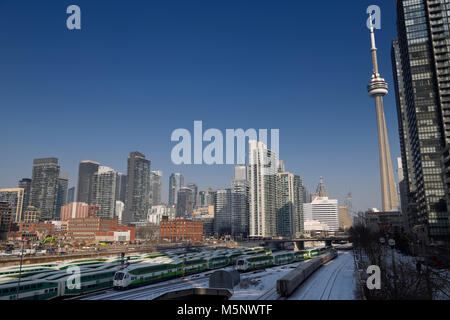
[[239, 203], [184, 202], [44, 187], [420, 59], [121, 187], [86, 172], [63, 185], [156, 187], [138, 188], [176, 181], [222, 213], [25, 184], [104, 192]]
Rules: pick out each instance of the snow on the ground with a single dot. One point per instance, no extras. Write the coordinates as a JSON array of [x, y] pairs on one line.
[[333, 281], [260, 281]]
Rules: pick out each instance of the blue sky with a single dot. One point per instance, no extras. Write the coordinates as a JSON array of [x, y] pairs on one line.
[[140, 69]]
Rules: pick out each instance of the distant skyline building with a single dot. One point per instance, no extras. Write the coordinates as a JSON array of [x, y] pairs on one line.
[[14, 197], [290, 221], [156, 187], [349, 205], [420, 61], [194, 189], [207, 197], [63, 186], [5, 220], [25, 184], [104, 192], [281, 166], [306, 195], [377, 89], [86, 171], [321, 190], [240, 214], [44, 187], [285, 204], [222, 213], [184, 204], [176, 181], [71, 195], [345, 221], [299, 220], [240, 173], [262, 192], [138, 188], [121, 187], [324, 210]]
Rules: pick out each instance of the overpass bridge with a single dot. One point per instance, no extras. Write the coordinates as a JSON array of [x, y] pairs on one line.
[[299, 243]]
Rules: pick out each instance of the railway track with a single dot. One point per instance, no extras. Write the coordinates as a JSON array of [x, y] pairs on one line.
[[321, 285], [149, 290], [270, 294], [331, 281]]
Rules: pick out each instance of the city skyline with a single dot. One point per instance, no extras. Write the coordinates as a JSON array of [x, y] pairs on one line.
[[295, 92], [226, 150]]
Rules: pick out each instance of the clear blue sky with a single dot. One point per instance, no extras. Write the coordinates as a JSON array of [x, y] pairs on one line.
[[140, 69]]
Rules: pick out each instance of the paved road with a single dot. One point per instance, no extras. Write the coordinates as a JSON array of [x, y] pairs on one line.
[[333, 281]]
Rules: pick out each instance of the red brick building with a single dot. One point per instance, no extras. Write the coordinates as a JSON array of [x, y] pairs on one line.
[[85, 228], [181, 229], [45, 228], [95, 229], [33, 231]]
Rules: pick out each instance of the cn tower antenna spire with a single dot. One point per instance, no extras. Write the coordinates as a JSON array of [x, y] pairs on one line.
[[377, 89], [374, 49]]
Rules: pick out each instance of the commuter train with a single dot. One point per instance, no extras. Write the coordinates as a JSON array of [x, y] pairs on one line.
[[253, 262], [52, 280], [57, 285], [138, 274], [290, 282], [55, 280]]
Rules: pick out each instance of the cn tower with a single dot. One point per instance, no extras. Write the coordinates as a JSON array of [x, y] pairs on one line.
[[377, 89]]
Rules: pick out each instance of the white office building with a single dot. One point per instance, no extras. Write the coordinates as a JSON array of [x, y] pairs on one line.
[[323, 210]]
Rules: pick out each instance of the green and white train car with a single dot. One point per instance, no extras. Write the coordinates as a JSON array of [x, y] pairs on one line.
[[254, 262], [283, 257], [29, 290], [141, 274], [58, 284], [246, 263]]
